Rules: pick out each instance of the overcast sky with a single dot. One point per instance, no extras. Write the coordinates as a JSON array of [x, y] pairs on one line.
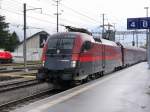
[[78, 13]]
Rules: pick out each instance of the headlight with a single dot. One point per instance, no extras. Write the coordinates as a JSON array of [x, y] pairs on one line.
[[73, 64], [43, 62]]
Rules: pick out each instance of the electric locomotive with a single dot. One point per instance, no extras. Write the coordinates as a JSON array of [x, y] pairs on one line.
[[76, 56]]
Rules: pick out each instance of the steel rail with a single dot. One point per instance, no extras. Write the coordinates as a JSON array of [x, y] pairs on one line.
[[17, 85]]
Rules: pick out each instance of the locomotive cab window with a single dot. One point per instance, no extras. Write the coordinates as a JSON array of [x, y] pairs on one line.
[[86, 46], [58, 43], [52, 43], [66, 43]]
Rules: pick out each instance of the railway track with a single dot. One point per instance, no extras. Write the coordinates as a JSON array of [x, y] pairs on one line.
[[18, 67], [16, 91], [7, 70], [24, 94], [13, 81], [18, 84], [20, 64], [10, 106]]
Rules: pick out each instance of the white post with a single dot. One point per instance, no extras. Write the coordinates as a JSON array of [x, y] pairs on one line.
[[148, 40]]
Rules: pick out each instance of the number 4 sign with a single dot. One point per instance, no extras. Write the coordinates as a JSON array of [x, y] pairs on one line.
[[132, 23]]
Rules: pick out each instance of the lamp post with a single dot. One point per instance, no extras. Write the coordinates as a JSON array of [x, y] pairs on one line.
[[147, 40], [146, 8]]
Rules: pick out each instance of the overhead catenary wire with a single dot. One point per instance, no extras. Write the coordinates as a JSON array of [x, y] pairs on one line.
[[49, 15], [21, 3], [20, 13], [28, 16], [45, 14], [28, 27], [63, 20], [79, 13]]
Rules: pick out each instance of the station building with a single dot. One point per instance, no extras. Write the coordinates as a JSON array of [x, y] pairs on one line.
[[34, 45]]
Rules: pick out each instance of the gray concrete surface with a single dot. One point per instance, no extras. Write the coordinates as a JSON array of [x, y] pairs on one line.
[[124, 91], [21, 93]]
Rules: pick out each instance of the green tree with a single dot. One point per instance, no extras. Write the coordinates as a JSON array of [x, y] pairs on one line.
[[12, 42], [8, 41], [4, 33]]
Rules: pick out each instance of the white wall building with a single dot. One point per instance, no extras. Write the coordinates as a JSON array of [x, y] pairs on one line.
[[34, 45]]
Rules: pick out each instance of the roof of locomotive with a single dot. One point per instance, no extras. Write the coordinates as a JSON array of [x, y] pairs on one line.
[[72, 35], [105, 42], [108, 42], [59, 34], [85, 36], [68, 33], [134, 48]]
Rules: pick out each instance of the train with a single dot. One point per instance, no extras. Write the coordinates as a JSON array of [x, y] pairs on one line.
[[78, 57], [5, 57]]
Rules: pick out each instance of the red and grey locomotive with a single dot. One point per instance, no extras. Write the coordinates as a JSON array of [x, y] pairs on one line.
[[76, 56]]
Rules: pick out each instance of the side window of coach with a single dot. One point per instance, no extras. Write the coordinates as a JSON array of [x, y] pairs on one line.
[[86, 46]]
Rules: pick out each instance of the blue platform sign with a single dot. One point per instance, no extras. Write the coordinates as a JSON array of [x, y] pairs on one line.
[[144, 23], [132, 23], [138, 23]]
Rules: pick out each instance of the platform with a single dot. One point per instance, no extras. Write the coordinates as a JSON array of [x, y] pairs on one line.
[[127, 90]]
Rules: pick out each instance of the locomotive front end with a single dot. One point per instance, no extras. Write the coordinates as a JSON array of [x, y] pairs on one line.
[[60, 57]]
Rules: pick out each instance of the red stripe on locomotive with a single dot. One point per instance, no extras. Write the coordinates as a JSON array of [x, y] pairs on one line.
[[95, 54]]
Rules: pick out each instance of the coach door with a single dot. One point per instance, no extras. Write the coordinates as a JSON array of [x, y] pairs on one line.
[[103, 57]]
